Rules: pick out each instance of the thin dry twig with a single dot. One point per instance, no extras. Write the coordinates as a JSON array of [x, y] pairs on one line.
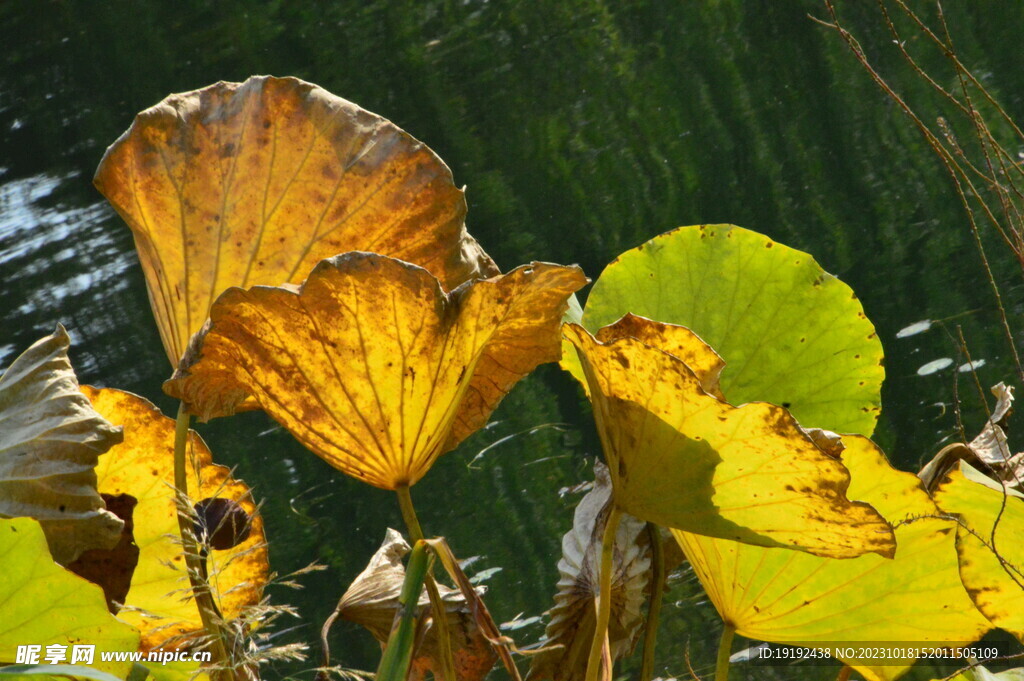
[[972, 182]]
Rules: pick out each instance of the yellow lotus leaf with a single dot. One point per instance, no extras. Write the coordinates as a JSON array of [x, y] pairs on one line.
[[989, 544], [372, 365], [174, 671], [143, 466], [982, 674], [682, 458], [789, 597], [243, 184]]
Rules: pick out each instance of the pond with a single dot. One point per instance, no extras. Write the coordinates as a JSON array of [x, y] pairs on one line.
[[580, 129]]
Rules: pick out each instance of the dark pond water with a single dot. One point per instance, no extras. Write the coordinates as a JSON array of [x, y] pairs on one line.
[[581, 128]]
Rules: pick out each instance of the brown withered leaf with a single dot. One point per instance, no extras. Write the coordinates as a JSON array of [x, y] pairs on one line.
[[243, 184], [988, 452], [571, 628], [143, 466], [371, 364], [372, 601], [50, 441]]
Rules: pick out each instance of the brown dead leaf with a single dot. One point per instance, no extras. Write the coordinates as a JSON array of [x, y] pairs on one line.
[[988, 452], [571, 628], [50, 441], [372, 601], [243, 184]]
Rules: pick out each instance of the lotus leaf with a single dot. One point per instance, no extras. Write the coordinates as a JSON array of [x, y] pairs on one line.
[[988, 543], [372, 365], [143, 466], [682, 458], [174, 671], [243, 184], [982, 674], [791, 333], [54, 672], [788, 597], [50, 439], [112, 569], [44, 604]]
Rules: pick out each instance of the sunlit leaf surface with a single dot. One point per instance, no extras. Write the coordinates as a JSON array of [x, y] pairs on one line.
[[44, 604], [989, 544], [789, 597], [372, 365], [143, 466], [174, 671], [790, 333], [573, 619], [240, 184], [982, 674], [682, 458], [50, 440]]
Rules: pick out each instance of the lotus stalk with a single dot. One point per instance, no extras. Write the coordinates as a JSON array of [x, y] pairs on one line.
[[724, 652], [208, 612]]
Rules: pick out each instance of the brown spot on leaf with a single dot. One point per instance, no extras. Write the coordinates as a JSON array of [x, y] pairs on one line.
[[112, 569]]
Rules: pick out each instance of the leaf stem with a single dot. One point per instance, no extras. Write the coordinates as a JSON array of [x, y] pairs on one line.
[[394, 663], [724, 652], [654, 608], [208, 613], [412, 523], [440, 613], [604, 595]]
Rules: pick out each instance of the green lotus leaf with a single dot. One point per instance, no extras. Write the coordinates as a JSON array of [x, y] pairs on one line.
[[44, 604], [789, 332], [988, 544], [53, 671], [783, 596]]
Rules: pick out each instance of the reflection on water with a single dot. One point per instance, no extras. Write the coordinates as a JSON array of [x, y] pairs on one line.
[[581, 129], [62, 263], [934, 366]]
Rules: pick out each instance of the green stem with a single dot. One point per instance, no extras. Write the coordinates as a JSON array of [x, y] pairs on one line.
[[394, 664], [208, 613], [604, 595], [654, 609], [412, 523], [440, 617], [724, 652]]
